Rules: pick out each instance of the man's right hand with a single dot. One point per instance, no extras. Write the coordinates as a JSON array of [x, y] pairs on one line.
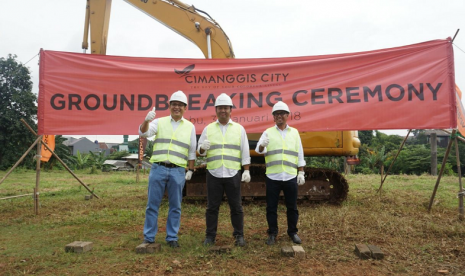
[[265, 141], [150, 116], [205, 145]]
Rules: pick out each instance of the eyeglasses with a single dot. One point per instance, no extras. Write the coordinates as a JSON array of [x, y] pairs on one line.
[[276, 114], [177, 105]]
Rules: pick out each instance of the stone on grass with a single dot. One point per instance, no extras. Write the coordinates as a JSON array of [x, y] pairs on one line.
[[299, 251], [362, 251], [376, 253], [78, 247], [220, 249], [148, 248], [287, 251]]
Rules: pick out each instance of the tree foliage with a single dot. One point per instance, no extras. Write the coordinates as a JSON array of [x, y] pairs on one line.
[[16, 102]]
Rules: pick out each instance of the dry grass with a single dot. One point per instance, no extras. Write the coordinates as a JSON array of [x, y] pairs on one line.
[[415, 242]]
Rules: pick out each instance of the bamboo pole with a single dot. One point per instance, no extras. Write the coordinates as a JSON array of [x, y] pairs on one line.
[[392, 163], [10, 197], [459, 172], [444, 161], [62, 163], [458, 137], [36, 189], [20, 159]]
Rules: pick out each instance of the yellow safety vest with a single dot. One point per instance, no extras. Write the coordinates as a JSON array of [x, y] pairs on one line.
[[282, 155], [224, 150], [172, 145]]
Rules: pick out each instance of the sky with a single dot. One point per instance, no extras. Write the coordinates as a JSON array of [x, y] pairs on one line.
[[257, 29]]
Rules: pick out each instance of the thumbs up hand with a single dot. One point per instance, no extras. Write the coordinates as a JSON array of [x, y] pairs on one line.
[[150, 116], [265, 140]]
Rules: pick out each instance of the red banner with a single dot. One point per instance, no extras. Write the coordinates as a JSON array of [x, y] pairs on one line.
[[409, 87]]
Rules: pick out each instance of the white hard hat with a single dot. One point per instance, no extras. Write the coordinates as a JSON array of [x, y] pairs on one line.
[[223, 99], [280, 106], [179, 96]]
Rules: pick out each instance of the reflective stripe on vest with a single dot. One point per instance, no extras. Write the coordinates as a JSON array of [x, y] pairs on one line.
[[224, 150], [282, 154], [172, 146]]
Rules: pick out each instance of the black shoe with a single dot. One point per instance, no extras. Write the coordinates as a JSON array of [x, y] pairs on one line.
[[239, 241], [173, 244], [147, 242], [295, 239], [271, 240], [209, 241]]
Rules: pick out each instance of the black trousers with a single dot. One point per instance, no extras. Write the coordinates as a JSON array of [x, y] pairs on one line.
[[289, 188], [216, 187]]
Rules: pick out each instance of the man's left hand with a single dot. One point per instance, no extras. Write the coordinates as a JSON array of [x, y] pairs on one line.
[[189, 175], [246, 176], [301, 178]]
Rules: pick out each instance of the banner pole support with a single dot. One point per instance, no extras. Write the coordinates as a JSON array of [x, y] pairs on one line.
[[36, 189], [61, 161], [390, 166], [444, 161], [456, 33], [459, 172]]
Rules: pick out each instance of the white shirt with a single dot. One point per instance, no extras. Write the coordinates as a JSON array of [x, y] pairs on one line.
[[283, 176], [153, 130], [223, 172]]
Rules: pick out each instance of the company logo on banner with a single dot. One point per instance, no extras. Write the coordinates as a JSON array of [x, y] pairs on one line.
[[382, 89], [185, 71]]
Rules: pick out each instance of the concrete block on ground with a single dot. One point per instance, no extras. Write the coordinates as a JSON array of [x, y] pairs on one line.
[[376, 252], [362, 251], [299, 251], [148, 248], [220, 249], [87, 197], [225, 248], [287, 251], [79, 247]]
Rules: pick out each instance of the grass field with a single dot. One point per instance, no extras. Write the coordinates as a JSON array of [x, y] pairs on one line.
[[414, 241]]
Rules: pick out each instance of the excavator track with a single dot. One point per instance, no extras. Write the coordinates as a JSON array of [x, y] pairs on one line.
[[321, 185]]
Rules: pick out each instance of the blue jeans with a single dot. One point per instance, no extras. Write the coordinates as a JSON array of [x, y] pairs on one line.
[[289, 188], [173, 180]]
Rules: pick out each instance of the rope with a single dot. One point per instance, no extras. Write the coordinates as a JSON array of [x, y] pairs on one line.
[[458, 47], [453, 136], [38, 54]]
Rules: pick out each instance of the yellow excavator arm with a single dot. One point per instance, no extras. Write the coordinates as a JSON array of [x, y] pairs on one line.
[[198, 27], [193, 24]]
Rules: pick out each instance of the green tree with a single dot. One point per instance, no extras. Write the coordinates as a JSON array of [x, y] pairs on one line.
[[81, 161], [365, 136], [117, 155], [16, 102], [97, 161]]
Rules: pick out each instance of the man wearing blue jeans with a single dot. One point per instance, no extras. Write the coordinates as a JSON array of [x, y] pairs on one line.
[[173, 152], [285, 164]]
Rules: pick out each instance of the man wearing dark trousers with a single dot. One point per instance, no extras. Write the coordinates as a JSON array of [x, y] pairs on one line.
[[225, 144], [285, 164]]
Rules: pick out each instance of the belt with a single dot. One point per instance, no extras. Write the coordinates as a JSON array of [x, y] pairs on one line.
[[171, 165]]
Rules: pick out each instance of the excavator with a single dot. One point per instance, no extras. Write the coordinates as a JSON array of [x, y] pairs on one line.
[[197, 26]]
